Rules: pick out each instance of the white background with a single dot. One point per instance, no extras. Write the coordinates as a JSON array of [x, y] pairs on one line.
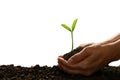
[[30, 31]]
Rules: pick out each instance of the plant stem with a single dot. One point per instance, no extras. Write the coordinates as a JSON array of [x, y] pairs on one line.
[[72, 40]]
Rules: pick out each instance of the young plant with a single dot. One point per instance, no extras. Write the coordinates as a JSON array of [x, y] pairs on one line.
[[71, 30]]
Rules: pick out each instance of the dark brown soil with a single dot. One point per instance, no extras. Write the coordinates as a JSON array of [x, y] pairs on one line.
[[69, 54], [11, 72]]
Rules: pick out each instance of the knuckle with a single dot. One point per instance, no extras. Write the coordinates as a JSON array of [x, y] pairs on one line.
[[87, 49], [71, 59], [74, 58]]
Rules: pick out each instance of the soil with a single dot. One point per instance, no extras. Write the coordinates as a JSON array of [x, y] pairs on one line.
[[69, 54], [11, 72]]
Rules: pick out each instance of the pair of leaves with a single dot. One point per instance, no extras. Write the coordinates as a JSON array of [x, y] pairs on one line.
[[73, 26]]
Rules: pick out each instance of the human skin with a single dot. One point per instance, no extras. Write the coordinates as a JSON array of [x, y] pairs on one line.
[[92, 57]]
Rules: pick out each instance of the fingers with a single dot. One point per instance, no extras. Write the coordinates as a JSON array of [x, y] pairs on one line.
[[74, 69], [89, 63], [79, 56], [86, 52], [65, 63], [66, 67], [86, 62]]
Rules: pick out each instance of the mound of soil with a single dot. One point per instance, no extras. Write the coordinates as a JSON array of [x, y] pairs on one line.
[[11, 72]]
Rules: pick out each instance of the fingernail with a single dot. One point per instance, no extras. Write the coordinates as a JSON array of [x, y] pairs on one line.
[[60, 59]]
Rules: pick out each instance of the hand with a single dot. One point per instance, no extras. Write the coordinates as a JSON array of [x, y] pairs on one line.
[[85, 45], [89, 60]]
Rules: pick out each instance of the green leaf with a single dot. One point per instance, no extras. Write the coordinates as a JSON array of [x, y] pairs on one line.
[[66, 27], [74, 24]]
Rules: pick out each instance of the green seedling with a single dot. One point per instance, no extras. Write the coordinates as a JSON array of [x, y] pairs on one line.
[[71, 30]]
